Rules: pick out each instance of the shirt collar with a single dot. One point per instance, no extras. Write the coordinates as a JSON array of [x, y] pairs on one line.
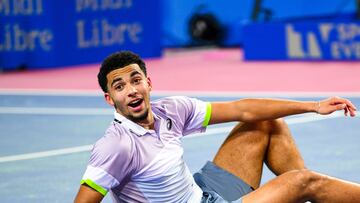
[[133, 127]]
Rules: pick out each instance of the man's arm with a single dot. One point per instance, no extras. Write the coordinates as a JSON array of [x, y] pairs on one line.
[[88, 195], [252, 110]]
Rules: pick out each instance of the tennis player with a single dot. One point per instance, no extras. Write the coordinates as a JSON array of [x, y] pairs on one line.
[[140, 157]]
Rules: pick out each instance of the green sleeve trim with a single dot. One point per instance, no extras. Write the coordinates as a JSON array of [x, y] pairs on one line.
[[207, 115], [94, 186]]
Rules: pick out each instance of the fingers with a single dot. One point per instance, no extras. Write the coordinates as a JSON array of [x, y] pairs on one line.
[[347, 105], [350, 108], [352, 112], [335, 104], [340, 107], [346, 111]]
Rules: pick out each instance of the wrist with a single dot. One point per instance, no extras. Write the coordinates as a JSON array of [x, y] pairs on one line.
[[317, 106]]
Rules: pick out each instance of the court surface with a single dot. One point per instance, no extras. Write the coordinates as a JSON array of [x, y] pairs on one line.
[[46, 140]]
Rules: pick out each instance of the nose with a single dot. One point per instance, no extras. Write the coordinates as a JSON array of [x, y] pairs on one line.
[[131, 90]]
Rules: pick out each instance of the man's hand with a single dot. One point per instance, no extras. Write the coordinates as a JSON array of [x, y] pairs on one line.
[[332, 104]]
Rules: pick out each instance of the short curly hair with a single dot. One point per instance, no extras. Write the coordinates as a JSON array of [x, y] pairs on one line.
[[115, 61]]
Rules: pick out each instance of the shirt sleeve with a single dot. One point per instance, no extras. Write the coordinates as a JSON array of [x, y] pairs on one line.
[[109, 165], [194, 113]]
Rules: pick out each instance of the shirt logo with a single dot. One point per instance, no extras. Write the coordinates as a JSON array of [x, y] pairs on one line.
[[168, 123]]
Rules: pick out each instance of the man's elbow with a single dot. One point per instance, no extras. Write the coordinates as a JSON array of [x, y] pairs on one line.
[[248, 117]]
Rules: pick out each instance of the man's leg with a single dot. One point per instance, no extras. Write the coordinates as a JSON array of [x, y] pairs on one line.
[[249, 145], [302, 186], [282, 153]]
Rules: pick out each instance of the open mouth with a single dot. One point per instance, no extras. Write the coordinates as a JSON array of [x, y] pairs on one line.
[[136, 103]]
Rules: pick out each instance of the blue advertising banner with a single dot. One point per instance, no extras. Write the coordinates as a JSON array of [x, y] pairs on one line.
[[52, 33], [303, 41]]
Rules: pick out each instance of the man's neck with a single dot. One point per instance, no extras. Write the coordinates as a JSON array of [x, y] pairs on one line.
[[147, 123]]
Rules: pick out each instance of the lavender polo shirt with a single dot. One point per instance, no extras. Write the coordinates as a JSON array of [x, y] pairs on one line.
[[140, 165]]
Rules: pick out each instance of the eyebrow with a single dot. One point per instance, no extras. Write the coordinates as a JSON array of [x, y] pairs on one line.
[[131, 75], [134, 73], [116, 80]]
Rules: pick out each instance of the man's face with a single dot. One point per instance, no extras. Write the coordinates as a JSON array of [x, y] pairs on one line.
[[129, 92]]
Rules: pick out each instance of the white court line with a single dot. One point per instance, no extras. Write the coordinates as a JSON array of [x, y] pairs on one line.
[[50, 92], [48, 153], [241, 94], [211, 131], [216, 94], [56, 111], [306, 118]]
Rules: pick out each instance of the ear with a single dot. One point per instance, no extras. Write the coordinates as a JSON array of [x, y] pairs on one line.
[[149, 83], [108, 99]]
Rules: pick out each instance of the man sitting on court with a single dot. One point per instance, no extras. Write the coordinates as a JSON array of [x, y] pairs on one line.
[[139, 159]]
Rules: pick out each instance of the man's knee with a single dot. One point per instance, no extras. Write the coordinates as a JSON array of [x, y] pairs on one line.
[[308, 182], [277, 124], [269, 126], [256, 132]]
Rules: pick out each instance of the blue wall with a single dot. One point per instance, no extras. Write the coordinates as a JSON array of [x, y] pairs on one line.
[[177, 13], [307, 40], [52, 33], [309, 8], [234, 14]]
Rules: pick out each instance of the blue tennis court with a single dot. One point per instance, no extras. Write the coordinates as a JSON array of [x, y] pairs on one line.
[[45, 143]]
